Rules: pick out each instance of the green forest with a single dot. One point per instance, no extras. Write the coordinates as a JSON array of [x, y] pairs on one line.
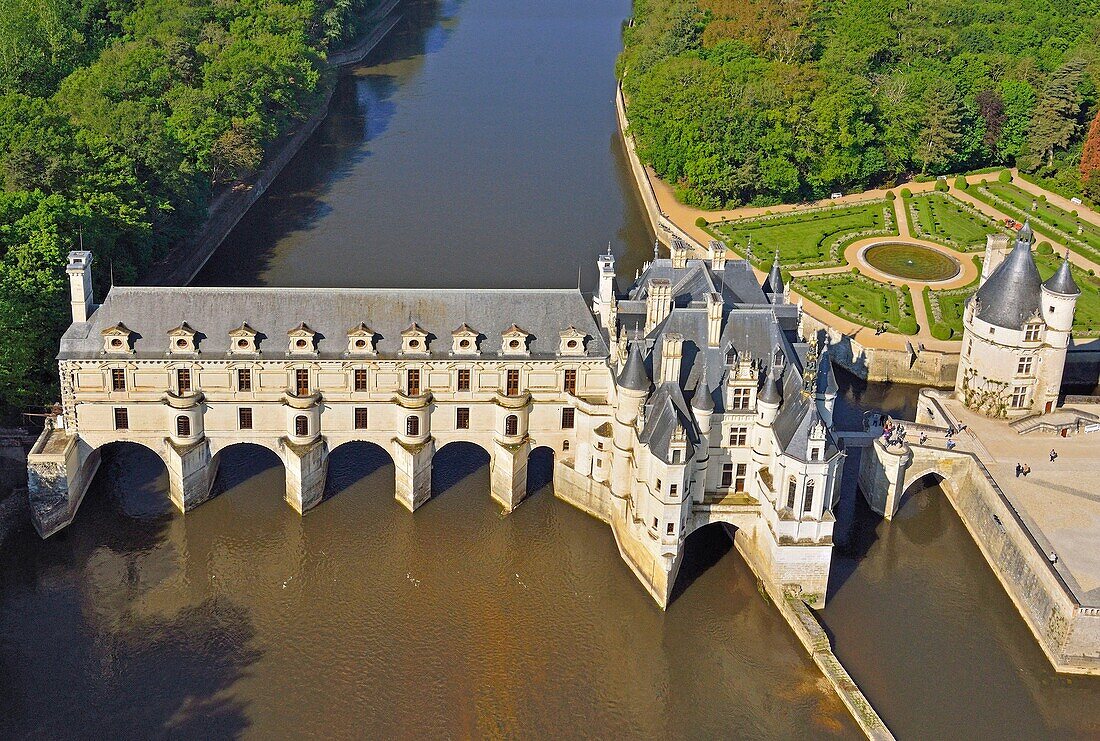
[[118, 121], [762, 101]]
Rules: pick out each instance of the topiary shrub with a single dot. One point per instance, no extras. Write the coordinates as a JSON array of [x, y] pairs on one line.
[[941, 186], [1044, 248], [960, 183], [701, 222], [890, 195], [1005, 176], [906, 193], [942, 331]]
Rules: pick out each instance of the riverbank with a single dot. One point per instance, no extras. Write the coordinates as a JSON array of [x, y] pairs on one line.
[[185, 260]]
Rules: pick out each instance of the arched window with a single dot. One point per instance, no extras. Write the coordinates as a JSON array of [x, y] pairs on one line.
[[791, 487], [412, 426], [808, 500], [301, 425], [183, 426], [565, 445], [511, 425]]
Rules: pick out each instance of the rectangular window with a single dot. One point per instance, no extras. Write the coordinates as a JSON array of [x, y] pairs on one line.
[[654, 523], [183, 380], [740, 399], [742, 472], [301, 381], [122, 419], [244, 418], [1023, 366], [183, 426], [1031, 332], [727, 475], [462, 418], [360, 379], [513, 383], [360, 418], [808, 498], [670, 529], [1019, 397], [571, 382], [301, 425], [464, 380], [659, 487], [567, 418], [739, 436], [244, 379], [673, 490], [412, 378], [676, 455], [815, 453], [118, 379]]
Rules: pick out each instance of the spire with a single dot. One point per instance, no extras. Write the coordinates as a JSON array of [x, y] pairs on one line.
[[1025, 233], [634, 375], [770, 393], [703, 399], [1062, 281], [773, 284]]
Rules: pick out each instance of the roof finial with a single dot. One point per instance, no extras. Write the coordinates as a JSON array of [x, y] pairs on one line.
[[609, 248], [656, 249]]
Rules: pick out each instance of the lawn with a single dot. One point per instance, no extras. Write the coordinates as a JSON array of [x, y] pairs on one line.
[[942, 218], [1056, 223], [945, 308], [810, 238], [862, 300]]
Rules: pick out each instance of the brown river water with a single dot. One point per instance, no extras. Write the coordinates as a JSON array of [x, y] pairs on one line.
[[477, 147]]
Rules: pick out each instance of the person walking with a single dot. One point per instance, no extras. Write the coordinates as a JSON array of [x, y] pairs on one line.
[[1053, 455], [1019, 469]]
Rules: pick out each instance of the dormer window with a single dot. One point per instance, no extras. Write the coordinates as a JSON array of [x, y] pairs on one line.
[[361, 340], [514, 341], [464, 340], [181, 340], [118, 340], [414, 340], [244, 340], [572, 341], [303, 340]]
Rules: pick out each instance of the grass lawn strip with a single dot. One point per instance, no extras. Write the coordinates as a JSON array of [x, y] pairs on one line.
[[1049, 220], [944, 219], [861, 300], [809, 238]]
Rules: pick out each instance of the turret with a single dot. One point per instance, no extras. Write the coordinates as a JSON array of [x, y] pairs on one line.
[[767, 403], [773, 283], [827, 387], [702, 407], [633, 385], [80, 285], [1060, 293]]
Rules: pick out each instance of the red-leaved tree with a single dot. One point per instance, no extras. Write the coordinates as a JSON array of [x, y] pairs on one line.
[[1090, 161]]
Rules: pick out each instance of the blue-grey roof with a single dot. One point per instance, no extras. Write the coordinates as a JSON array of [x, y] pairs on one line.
[[664, 412], [773, 283], [1062, 281], [633, 375], [331, 312], [703, 399], [1010, 296]]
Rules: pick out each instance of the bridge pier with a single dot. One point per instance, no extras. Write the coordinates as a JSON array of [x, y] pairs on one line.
[[60, 467], [191, 473], [882, 476], [413, 461], [508, 474], [306, 468]]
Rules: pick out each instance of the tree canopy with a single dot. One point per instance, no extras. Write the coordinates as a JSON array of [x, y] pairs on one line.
[[118, 121], [762, 101]]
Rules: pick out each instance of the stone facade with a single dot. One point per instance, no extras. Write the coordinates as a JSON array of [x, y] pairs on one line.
[[189, 372]]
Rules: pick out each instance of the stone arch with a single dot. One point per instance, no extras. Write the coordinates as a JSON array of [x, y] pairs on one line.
[[234, 462], [455, 460], [540, 467], [107, 450], [703, 547], [920, 479], [351, 461]]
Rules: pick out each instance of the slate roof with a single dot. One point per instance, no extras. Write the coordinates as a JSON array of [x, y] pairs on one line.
[[1062, 281], [1010, 296], [332, 312], [633, 375], [664, 411]]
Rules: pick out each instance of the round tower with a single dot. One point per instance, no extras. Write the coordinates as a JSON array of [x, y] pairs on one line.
[[631, 387], [1060, 293]]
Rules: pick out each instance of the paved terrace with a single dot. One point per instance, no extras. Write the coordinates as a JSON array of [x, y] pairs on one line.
[[1059, 502]]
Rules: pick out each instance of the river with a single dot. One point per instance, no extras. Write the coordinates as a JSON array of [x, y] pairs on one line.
[[477, 147]]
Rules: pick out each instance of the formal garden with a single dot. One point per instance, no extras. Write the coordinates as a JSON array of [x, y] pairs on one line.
[[942, 218], [1081, 236], [861, 300], [810, 238]]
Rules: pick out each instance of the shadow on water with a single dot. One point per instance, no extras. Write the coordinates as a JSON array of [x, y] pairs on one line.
[[540, 469], [455, 462], [703, 549], [241, 462], [352, 462], [108, 667]]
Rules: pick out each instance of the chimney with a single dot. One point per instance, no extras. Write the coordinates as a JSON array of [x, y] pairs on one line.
[[717, 255], [672, 351], [679, 250], [996, 250], [605, 296], [714, 319], [80, 285], [658, 302]]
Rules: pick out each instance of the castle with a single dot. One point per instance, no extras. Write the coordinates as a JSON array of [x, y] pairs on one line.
[[1016, 330], [686, 399]]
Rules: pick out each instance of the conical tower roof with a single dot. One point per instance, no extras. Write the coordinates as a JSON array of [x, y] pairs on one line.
[[703, 399], [773, 283], [1011, 295], [770, 393], [633, 375], [1062, 281]]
